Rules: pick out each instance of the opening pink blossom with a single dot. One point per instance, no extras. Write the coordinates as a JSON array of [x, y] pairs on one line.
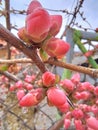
[[38, 24]]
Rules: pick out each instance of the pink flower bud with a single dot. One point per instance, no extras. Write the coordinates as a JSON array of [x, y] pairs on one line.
[[92, 123], [85, 95], [77, 114], [56, 96], [79, 125], [82, 95], [64, 108], [32, 98], [28, 86], [87, 86], [12, 88], [76, 78], [19, 84], [96, 90], [67, 123], [20, 94], [56, 47], [56, 22], [67, 84], [85, 107], [94, 109], [48, 79], [29, 78], [38, 24], [38, 93], [33, 5], [28, 100]]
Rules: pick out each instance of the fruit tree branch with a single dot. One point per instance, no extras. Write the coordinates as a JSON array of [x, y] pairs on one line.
[[30, 52]]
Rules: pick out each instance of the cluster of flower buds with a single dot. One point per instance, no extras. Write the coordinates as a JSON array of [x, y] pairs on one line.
[[26, 94], [55, 96], [41, 28], [85, 98]]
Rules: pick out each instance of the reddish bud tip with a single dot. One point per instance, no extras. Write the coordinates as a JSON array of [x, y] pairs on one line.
[[48, 79], [33, 5]]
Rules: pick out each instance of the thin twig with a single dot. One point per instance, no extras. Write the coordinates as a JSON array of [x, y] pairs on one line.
[[13, 61], [9, 76], [7, 17], [85, 70]]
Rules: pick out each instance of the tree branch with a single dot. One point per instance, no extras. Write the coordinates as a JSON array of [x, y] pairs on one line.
[[12, 61], [30, 52], [9, 76], [58, 124], [7, 17], [85, 70]]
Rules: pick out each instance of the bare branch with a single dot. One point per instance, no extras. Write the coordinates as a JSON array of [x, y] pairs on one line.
[[12, 61], [30, 52], [85, 70]]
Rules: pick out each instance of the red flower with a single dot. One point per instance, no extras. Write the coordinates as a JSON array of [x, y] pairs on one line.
[[56, 96], [48, 79], [38, 24], [56, 47]]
